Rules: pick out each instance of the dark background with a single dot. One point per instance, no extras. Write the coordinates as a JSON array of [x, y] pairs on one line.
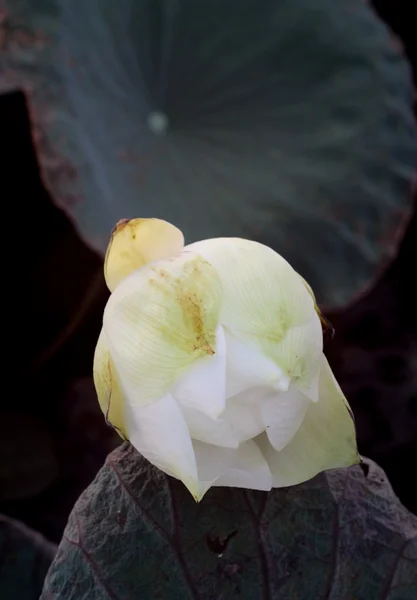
[[53, 438]]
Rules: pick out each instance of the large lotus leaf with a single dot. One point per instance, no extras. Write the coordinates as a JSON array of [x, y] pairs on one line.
[[135, 533], [25, 557], [287, 121], [30, 60]]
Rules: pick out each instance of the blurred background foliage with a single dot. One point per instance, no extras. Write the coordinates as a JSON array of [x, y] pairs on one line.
[[285, 122], [53, 438]]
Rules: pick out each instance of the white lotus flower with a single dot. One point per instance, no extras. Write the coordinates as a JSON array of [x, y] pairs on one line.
[[211, 363]]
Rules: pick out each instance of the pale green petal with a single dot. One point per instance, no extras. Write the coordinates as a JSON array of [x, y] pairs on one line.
[[325, 440], [267, 303], [159, 321], [211, 431], [109, 393], [244, 467], [159, 432], [243, 412], [326, 325], [203, 385], [309, 289], [137, 242], [248, 367], [282, 415], [303, 346]]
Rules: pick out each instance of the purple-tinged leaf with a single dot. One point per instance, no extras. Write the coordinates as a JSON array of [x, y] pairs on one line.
[[135, 533]]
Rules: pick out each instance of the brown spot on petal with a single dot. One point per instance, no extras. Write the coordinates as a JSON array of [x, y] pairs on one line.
[[197, 307], [127, 223]]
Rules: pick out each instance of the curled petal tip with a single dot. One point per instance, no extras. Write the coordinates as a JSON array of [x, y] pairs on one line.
[[121, 223], [195, 489]]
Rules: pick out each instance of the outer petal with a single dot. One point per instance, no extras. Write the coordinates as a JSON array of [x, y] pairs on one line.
[[325, 440], [244, 467], [108, 389], [136, 242], [282, 415], [267, 303], [300, 353], [326, 325], [203, 385], [159, 432], [159, 321]]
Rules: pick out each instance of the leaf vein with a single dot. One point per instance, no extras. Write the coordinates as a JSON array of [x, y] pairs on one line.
[[263, 554], [79, 544]]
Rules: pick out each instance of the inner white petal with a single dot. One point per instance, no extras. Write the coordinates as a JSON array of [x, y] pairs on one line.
[[208, 430], [244, 467], [247, 367], [243, 413], [203, 385], [282, 415]]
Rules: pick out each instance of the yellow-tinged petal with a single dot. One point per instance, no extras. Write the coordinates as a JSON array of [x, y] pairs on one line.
[[325, 440], [159, 321], [109, 393], [137, 242], [267, 303]]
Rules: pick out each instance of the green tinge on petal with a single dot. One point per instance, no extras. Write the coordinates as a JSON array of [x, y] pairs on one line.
[[266, 303], [325, 440], [159, 321], [299, 355], [137, 242], [109, 393], [324, 322]]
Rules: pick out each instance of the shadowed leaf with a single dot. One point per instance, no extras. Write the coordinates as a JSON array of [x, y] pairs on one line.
[[24, 560], [136, 533]]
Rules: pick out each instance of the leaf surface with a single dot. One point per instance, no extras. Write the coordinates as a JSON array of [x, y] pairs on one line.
[[137, 534]]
